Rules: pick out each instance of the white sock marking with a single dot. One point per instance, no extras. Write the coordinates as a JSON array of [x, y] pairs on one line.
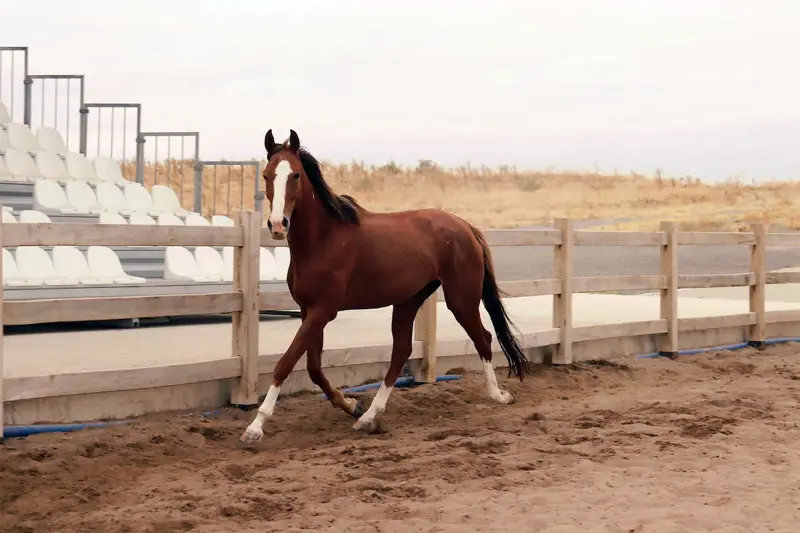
[[282, 172], [495, 393], [377, 406], [256, 427]]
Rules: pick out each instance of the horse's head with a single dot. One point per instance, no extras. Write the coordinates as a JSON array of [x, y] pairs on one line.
[[283, 184]]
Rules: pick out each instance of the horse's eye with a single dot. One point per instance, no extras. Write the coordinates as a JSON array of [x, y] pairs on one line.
[[296, 175]]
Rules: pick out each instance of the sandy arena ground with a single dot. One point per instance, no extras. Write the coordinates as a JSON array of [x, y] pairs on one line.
[[704, 443]]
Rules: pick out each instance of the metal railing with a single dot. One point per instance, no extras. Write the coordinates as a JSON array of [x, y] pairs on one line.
[[258, 195], [56, 97], [9, 84], [194, 138], [87, 122]]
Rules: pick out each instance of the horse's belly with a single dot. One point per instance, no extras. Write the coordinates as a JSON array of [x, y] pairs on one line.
[[387, 280]]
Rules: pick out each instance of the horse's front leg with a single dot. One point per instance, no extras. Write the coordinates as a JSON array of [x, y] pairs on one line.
[[310, 330]]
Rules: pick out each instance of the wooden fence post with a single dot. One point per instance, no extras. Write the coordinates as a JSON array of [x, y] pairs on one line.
[[425, 331], [2, 324], [245, 322], [758, 291], [562, 303], [669, 295]]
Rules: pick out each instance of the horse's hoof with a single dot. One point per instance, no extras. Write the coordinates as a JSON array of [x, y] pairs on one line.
[[251, 436], [508, 397], [358, 411], [367, 426]]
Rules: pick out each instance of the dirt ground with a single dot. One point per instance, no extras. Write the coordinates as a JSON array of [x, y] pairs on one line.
[[703, 443]]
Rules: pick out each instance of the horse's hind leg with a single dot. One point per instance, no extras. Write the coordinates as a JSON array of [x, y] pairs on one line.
[[314, 368], [402, 333], [466, 310]]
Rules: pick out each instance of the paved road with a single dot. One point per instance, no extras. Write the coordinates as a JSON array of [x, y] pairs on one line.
[[518, 263]]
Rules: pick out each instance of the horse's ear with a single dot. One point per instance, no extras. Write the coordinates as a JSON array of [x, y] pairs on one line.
[[294, 141], [269, 143]]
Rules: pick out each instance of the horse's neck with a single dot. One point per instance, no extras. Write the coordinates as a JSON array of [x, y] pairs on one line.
[[309, 226]]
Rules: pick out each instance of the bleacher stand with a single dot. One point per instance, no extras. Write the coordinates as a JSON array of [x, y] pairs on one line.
[[42, 181]]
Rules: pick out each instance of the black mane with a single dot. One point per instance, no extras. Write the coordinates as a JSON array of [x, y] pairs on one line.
[[342, 207]]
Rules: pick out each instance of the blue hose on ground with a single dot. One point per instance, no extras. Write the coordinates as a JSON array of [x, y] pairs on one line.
[[729, 347], [403, 382], [25, 431]]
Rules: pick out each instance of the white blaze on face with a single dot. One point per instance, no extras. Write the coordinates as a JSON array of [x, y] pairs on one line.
[[282, 172]]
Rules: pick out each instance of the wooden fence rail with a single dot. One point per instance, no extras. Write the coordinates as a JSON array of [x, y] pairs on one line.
[[244, 299]]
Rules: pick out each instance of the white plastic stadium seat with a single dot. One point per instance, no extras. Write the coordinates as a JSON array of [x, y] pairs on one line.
[[8, 208], [104, 264], [21, 137], [81, 198], [111, 199], [52, 167], [12, 277], [267, 266], [5, 174], [21, 165], [79, 168], [50, 139], [282, 258], [49, 196], [141, 219], [166, 200], [34, 263], [107, 217], [109, 170], [5, 118], [32, 216], [227, 263], [193, 219], [71, 264], [209, 263], [140, 200], [222, 220], [8, 218], [180, 264], [168, 219], [4, 138]]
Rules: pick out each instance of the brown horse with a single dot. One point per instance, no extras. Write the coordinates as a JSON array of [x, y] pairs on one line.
[[346, 257]]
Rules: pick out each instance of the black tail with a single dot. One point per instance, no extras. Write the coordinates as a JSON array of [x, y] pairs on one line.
[[517, 362]]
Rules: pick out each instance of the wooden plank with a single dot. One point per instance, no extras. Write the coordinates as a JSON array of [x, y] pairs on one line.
[[788, 315], [2, 324], [618, 283], [562, 302], [530, 287], [619, 238], [522, 237], [704, 323], [613, 331], [245, 323], [425, 331], [19, 312], [774, 278], [669, 296], [758, 291], [783, 239], [715, 238], [276, 301], [705, 281], [119, 235], [51, 385]]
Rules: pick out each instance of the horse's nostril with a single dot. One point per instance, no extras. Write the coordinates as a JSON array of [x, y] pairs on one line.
[[285, 222], [269, 224]]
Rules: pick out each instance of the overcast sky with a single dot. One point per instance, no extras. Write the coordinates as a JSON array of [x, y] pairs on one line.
[[705, 87]]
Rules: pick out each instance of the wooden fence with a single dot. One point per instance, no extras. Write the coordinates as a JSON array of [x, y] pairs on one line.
[[244, 300]]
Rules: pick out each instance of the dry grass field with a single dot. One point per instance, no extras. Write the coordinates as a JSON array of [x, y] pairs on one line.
[[505, 198]]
